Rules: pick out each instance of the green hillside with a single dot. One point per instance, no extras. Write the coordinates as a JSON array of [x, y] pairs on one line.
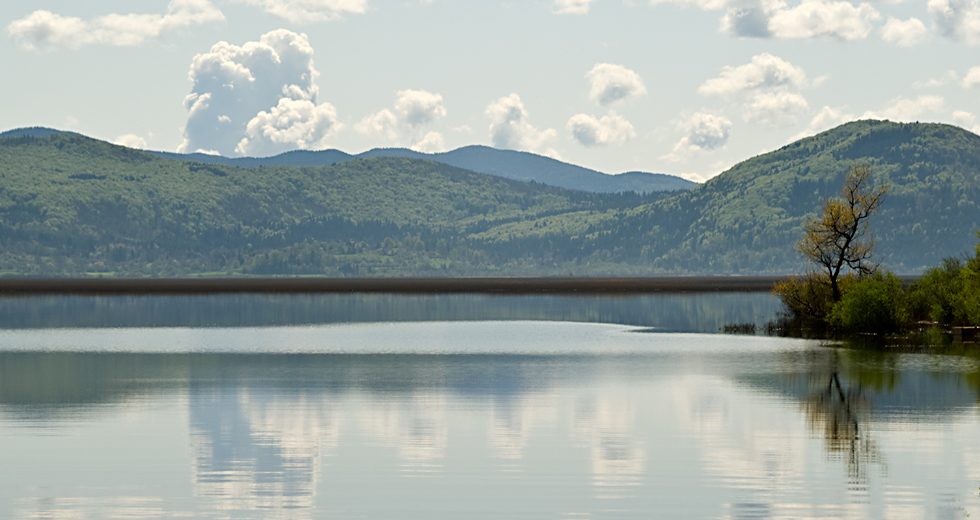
[[748, 218], [70, 205]]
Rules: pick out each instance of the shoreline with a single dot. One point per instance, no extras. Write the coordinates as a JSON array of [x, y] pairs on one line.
[[486, 285]]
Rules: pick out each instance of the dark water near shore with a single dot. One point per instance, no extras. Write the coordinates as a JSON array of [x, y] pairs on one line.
[[468, 407]]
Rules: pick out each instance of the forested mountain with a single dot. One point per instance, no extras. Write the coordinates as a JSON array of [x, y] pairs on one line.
[[510, 164], [71, 205], [748, 218]]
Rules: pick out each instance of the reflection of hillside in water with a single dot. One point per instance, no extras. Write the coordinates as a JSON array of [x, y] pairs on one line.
[[690, 312]]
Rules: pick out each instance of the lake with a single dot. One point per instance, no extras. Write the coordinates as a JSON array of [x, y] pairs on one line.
[[468, 406]]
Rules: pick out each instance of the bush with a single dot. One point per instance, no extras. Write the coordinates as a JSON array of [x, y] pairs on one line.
[[875, 304], [809, 297], [937, 295]]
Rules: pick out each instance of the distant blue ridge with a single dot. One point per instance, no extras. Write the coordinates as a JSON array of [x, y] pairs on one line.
[[524, 166]]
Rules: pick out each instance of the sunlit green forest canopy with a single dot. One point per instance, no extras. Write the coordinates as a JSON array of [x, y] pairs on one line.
[[70, 205]]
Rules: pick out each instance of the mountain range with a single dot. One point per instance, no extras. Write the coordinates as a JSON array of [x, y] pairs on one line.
[[71, 205]]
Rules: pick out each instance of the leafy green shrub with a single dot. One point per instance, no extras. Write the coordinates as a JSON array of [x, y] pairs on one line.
[[874, 304], [810, 297], [937, 295]]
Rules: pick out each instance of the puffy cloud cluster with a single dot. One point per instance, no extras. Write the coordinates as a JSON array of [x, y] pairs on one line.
[[908, 33], [413, 110], [310, 11], [838, 20], [972, 78], [610, 129], [572, 6], [906, 110], [258, 98], [957, 19], [613, 84], [762, 89], [610, 84], [510, 129], [44, 30], [704, 132], [764, 71]]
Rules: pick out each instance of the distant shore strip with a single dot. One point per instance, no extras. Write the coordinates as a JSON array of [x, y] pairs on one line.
[[504, 285]]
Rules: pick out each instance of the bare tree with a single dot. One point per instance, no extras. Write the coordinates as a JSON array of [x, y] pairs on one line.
[[840, 238]]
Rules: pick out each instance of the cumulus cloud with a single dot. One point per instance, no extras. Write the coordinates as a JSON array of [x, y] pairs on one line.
[[906, 110], [764, 71], [957, 19], [611, 129], [908, 33], [413, 109], [821, 18], [775, 108], [966, 120], [260, 97], [972, 78], [614, 83], [310, 11], [131, 141], [432, 142], [705, 132], [826, 119], [44, 30], [775, 19], [292, 123], [510, 129], [572, 6]]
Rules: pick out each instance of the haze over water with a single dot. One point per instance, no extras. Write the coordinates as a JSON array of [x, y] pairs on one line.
[[467, 418]]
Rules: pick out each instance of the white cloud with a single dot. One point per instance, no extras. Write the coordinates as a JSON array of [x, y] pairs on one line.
[[383, 123], [906, 110], [611, 129], [131, 141], [775, 108], [310, 11], [293, 123], [966, 120], [908, 33], [509, 128], [237, 89], [821, 18], [775, 19], [413, 109], [972, 78], [614, 83], [432, 142], [826, 119], [44, 30], [764, 71], [705, 132], [572, 6], [957, 19]]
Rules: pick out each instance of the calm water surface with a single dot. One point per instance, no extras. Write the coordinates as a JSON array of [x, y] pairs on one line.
[[535, 407]]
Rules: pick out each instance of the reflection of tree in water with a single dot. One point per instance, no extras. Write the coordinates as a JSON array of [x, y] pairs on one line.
[[838, 409]]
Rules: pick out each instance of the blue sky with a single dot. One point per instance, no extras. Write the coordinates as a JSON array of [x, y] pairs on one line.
[[687, 87]]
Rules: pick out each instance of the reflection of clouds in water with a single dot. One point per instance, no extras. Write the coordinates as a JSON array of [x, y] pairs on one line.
[[512, 419], [606, 421], [93, 508], [260, 449], [415, 425]]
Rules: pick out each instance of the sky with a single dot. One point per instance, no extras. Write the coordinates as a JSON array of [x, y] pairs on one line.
[[685, 87]]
